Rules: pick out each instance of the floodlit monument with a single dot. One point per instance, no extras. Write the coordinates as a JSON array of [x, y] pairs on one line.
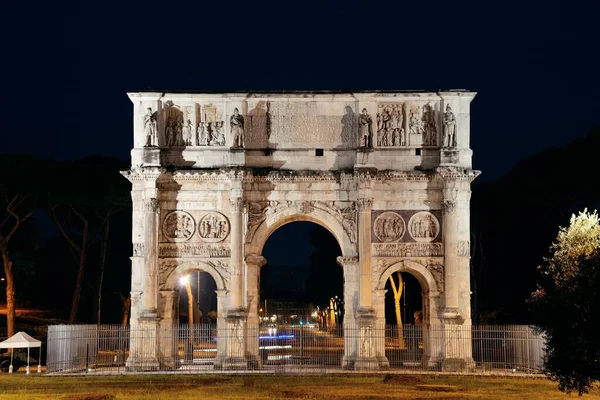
[[387, 173]]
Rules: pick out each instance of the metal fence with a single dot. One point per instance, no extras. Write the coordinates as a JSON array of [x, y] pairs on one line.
[[299, 348]]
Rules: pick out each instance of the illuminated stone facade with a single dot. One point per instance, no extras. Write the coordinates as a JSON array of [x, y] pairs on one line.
[[214, 175]]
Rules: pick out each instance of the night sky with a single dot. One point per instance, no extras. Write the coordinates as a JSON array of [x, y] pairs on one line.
[[67, 65]]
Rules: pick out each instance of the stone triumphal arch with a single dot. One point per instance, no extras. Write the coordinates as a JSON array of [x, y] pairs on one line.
[[213, 175]]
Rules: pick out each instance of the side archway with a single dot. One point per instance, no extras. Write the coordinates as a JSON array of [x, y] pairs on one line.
[[429, 274], [431, 285], [419, 271], [189, 266]]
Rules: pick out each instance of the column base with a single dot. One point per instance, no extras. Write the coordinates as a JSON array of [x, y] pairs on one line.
[[366, 364], [452, 316], [458, 365], [234, 363], [143, 353], [383, 363], [150, 364]]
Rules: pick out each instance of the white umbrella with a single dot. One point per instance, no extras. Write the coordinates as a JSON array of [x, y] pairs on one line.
[[22, 340]]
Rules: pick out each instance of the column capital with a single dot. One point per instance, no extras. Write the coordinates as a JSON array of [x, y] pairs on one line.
[[449, 205], [364, 204], [237, 204], [168, 293], [151, 205], [255, 259], [347, 261]]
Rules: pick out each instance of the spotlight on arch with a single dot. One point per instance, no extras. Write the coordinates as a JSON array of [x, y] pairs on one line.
[[184, 280]]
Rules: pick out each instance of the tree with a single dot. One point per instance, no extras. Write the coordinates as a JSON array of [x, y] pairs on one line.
[[567, 305], [81, 205], [8, 227], [23, 180], [397, 290]]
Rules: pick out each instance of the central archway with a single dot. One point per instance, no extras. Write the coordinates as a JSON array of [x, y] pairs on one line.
[[288, 215], [301, 292]]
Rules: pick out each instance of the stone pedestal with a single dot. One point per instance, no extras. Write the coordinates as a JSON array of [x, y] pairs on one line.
[[379, 305], [456, 343], [235, 337], [365, 158], [237, 156], [143, 347], [168, 325], [151, 157], [449, 156], [367, 335]]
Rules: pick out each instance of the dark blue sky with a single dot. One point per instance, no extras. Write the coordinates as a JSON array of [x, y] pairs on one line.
[[67, 65]]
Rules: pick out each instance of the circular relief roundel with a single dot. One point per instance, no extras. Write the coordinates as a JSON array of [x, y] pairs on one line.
[[389, 226], [424, 227], [213, 227], [179, 226]]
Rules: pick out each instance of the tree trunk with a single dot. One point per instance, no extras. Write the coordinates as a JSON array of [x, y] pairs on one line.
[[188, 289], [79, 280], [10, 291], [126, 308], [397, 296], [102, 264]]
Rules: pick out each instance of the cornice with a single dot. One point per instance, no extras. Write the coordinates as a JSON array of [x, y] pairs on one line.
[[456, 174], [163, 175]]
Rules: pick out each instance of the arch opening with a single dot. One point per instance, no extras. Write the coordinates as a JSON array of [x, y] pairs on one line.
[[301, 291], [197, 298], [301, 277], [407, 335], [318, 217]]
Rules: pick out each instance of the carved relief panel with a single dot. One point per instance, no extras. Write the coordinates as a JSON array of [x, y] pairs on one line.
[[406, 233], [210, 126], [407, 124], [194, 234], [193, 125], [178, 226], [391, 126], [213, 227]]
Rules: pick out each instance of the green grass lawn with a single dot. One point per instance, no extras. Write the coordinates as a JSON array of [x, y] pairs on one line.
[[351, 387]]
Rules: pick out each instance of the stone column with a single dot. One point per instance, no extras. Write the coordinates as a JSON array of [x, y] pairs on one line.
[[365, 315], [149, 295], [253, 264], [236, 314], [144, 335], [456, 334], [450, 232], [364, 252], [235, 294]]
